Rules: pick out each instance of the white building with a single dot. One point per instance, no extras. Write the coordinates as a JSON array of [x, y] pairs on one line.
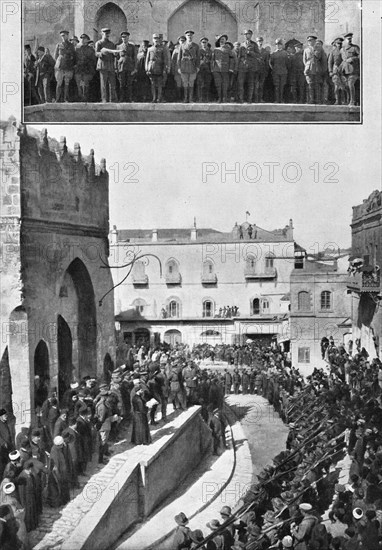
[[202, 285]]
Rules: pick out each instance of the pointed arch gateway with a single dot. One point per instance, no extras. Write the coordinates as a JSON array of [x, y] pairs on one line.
[[210, 18], [110, 16]]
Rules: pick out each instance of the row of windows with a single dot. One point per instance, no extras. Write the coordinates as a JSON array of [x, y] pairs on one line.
[[172, 266], [304, 301], [173, 308]]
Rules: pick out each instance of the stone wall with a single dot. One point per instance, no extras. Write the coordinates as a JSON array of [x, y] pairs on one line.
[[272, 18]]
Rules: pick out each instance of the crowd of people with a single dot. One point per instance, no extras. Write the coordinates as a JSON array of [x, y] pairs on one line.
[[334, 412], [210, 70]]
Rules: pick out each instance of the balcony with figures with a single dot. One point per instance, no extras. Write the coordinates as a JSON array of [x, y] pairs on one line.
[[364, 277]]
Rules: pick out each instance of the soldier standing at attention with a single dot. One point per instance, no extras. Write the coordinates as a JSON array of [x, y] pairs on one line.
[[223, 63], [188, 65], [297, 77], [311, 71], [174, 67], [279, 63], [156, 67], [335, 70], [106, 67], [64, 56], [351, 65], [85, 67], [264, 68], [204, 75], [249, 68], [126, 67]]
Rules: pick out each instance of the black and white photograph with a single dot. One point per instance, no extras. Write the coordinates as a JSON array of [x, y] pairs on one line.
[[191, 323], [194, 61]]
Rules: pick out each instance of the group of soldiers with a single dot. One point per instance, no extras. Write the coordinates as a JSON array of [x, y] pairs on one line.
[[239, 72], [328, 418]]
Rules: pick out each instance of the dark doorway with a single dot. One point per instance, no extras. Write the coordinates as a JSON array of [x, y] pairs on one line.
[[108, 367], [142, 337], [65, 352], [5, 383], [41, 369], [112, 17], [86, 319]]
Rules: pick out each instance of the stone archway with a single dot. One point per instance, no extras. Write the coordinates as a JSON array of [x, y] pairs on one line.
[[173, 337], [210, 19], [110, 15], [65, 356], [83, 320]]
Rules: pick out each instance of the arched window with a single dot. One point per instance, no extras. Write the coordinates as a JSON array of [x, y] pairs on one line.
[[269, 261], [208, 273], [255, 306], [208, 308], [173, 308], [265, 306], [303, 301], [139, 305], [251, 262], [172, 272], [326, 299], [139, 274]]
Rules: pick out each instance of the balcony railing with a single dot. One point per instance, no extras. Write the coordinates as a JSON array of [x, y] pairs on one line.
[[365, 282], [252, 273], [209, 279], [173, 278], [140, 280]]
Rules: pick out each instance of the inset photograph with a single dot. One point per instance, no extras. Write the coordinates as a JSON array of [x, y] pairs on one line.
[[197, 61]]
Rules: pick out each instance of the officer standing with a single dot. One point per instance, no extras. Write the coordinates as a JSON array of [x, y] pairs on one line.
[[188, 65], [264, 67], [351, 64], [64, 55], [127, 63], [204, 75], [279, 63], [156, 67], [85, 67], [335, 70], [249, 68], [106, 67], [312, 69], [296, 75]]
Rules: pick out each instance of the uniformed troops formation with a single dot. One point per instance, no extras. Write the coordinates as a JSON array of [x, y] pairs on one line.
[[239, 72], [333, 412]]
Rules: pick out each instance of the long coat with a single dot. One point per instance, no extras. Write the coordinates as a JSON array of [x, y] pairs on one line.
[[141, 431], [59, 478]]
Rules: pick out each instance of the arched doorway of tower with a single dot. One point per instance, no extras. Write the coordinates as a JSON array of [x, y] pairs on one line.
[[5, 383], [41, 373], [210, 18], [65, 356], [110, 16], [173, 337], [79, 310]]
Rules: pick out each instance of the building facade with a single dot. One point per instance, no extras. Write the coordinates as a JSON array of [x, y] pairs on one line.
[[364, 274], [320, 307], [55, 327], [288, 19], [202, 285]]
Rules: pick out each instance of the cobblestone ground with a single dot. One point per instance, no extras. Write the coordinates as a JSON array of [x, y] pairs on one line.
[[56, 524]]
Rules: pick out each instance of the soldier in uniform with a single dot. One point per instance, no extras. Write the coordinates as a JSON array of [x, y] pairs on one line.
[[249, 68], [188, 65], [351, 65], [279, 63], [296, 75], [264, 67], [127, 63], [311, 59], [64, 56], [156, 68], [335, 71], [223, 63], [204, 77], [174, 67], [322, 76], [44, 74], [106, 67], [85, 67], [236, 379]]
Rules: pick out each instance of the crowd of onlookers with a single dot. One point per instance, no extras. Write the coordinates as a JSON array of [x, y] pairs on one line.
[[330, 414], [205, 70]]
